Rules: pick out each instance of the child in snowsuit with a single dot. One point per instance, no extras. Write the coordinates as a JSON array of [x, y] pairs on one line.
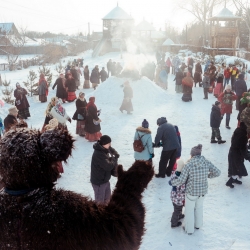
[[215, 120], [177, 196]]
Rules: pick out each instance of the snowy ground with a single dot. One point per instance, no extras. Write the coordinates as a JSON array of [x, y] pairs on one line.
[[226, 223]]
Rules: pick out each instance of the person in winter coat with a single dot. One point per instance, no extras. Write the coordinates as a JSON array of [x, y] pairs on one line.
[[226, 99], [109, 66], [48, 116], [128, 95], [234, 72], [206, 84], [86, 77], [92, 124], [113, 69], [178, 81], [236, 156], [11, 119], [74, 74], [240, 88], [187, 85], [176, 62], [167, 138], [195, 174], [215, 120], [168, 65], [104, 161], [79, 73], [212, 73], [70, 85], [190, 66], [163, 78], [245, 117], [177, 196], [59, 112], [103, 74], [61, 90], [80, 114], [144, 134], [95, 77], [43, 88], [227, 76], [21, 102], [197, 74], [219, 86], [178, 151]]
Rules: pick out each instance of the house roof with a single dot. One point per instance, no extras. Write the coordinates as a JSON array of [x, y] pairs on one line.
[[7, 27], [224, 15], [144, 26], [117, 14], [168, 42]]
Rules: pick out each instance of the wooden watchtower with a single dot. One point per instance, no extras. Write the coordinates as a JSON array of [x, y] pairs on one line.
[[224, 33]]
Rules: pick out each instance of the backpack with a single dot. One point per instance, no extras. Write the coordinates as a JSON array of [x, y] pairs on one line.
[[137, 144]]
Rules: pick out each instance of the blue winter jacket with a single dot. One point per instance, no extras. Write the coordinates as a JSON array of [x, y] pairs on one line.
[[240, 86], [146, 138]]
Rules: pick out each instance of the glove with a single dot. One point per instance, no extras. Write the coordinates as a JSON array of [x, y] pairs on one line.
[[69, 120], [152, 155], [117, 156]]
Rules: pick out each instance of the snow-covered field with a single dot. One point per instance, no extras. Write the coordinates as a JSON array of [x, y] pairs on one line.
[[226, 222]]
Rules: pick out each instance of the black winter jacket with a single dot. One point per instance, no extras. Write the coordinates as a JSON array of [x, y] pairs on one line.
[[102, 163], [215, 117], [167, 134]]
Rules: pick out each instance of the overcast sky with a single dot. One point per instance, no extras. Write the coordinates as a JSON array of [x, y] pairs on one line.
[[73, 16]]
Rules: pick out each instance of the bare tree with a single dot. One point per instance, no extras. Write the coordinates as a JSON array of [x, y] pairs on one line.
[[14, 44], [202, 10], [244, 6]]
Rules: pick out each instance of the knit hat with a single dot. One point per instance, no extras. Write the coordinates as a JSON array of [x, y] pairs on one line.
[[145, 124], [105, 139], [13, 110], [217, 103], [196, 150], [180, 165], [228, 87]]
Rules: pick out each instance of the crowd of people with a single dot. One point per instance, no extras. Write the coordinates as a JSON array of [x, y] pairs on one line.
[[188, 180]]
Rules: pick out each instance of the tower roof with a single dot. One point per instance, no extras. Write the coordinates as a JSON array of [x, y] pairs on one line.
[[144, 26], [117, 14], [224, 15]]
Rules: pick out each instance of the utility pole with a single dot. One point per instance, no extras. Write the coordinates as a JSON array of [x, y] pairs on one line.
[[88, 29]]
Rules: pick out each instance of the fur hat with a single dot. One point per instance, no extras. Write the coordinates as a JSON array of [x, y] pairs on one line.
[[196, 150], [217, 103], [13, 110], [180, 165], [105, 139], [41, 151], [228, 87], [145, 124]]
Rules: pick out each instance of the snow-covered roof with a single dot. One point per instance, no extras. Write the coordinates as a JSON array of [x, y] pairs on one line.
[[157, 34], [117, 14], [144, 26], [7, 27], [224, 15], [168, 42]]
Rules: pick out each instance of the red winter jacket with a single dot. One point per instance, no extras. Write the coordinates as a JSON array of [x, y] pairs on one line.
[[227, 73]]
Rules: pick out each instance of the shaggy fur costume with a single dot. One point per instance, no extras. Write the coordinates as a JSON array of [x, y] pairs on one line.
[[35, 215]]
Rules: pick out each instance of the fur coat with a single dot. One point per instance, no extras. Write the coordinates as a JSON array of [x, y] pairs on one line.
[[35, 215]]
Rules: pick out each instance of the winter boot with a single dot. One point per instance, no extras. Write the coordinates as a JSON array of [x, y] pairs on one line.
[[227, 126], [177, 225], [221, 141], [213, 141], [159, 176], [230, 183], [237, 181]]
